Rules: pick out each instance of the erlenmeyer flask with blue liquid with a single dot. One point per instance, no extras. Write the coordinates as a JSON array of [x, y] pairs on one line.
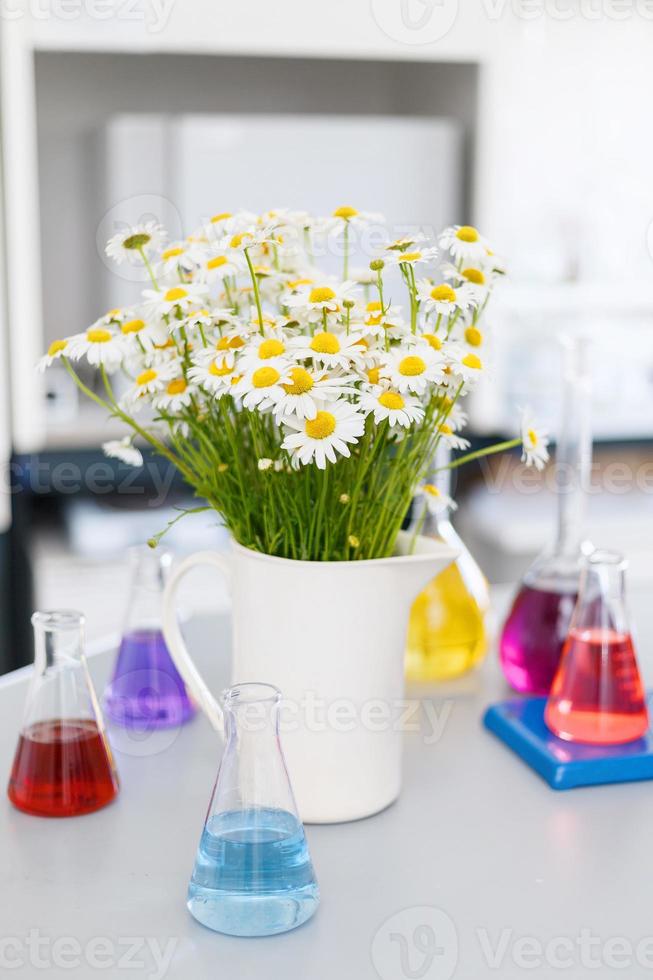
[[253, 874]]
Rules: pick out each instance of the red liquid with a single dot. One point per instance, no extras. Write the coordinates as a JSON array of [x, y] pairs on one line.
[[62, 768], [533, 637], [597, 695]]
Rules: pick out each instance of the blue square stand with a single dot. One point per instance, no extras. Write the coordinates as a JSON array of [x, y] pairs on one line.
[[564, 765]]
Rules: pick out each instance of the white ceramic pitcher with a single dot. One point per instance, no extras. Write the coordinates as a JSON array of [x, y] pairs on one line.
[[331, 636]]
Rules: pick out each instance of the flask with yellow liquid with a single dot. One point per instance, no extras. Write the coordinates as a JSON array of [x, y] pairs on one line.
[[447, 628]]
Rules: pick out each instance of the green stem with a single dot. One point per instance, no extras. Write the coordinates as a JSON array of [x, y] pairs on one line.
[[149, 268], [499, 447], [257, 295]]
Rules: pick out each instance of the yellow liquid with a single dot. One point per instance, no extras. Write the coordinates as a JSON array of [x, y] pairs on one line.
[[446, 630]]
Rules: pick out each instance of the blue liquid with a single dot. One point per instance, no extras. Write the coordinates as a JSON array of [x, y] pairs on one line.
[[253, 874]]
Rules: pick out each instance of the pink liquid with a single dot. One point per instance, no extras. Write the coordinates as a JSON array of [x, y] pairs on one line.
[[597, 695], [533, 636]]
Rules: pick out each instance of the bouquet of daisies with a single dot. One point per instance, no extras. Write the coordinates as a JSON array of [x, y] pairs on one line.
[[303, 407]]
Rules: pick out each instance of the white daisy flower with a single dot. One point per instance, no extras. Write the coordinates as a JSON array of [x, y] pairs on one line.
[[363, 276], [150, 381], [534, 442], [100, 347], [443, 299], [251, 236], [410, 369], [261, 350], [345, 214], [332, 350], [218, 263], [129, 244], [320, 299], [261, 386], [124, 450], [415, 257], [392, 406], [56, 350], [149, 333], [176, 255], [216, 376], [435, 499], [465, 244], [177, 394], [478, 279], [306, 390], [324, 436], [452, 440], [184, 296], [466, 365]]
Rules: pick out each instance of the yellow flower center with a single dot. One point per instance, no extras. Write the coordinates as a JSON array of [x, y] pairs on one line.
[[216, 262], [56, 347], [443, 293], [374, 306], [325, 343], [391, 399], [345, 212], [96, 335], [374, 321], [467, 234], [431, 489], [137, 240], [265, 377], [237, 240], [177, 387], [219, 369], [472, 361], [112, 314], [532, 437], [220, 217], [323, 425], [301, 382], [446, 430], [177, 292], [411, 366], [373, 375], [321, 294], [475, 276], [473, 336], [171, 253], [410, 256], [146, 376], [270, 348], [294, 283], [433, 340], [132, 326]]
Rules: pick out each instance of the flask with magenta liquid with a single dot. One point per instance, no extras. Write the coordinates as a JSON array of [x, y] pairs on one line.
[[63, 765], [146, 690], [537, 625], [253, 874], [447, 626], [597, 694]]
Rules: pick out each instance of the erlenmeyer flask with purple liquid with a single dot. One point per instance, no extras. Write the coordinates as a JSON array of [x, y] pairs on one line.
[[146, 690], [537, 625]]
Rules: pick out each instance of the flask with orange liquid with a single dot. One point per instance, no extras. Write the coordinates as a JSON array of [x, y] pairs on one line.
[[447, 629]]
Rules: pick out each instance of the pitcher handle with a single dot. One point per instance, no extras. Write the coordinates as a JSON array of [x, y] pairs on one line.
[[175, 641]]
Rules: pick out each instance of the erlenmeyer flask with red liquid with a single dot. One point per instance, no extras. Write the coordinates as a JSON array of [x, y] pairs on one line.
[[146, 690], [535, 630], [63, 765], [597, 694]]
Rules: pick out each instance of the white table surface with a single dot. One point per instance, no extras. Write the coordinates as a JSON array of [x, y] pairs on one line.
[[505, 876]]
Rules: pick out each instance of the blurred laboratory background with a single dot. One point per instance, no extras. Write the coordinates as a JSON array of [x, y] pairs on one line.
[[534, 128]]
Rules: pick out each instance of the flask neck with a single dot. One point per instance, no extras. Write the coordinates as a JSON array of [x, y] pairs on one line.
[[602, 597], [58, 639], [573, 451], [149, 572]]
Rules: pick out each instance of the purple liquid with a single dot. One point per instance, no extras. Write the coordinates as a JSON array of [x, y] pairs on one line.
[[533, 637], [146, 691]]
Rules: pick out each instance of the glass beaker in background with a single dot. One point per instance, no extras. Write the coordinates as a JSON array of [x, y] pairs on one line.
[[146, 690], [597, 694], [537, 625], [63, 764], [447, 626], [253, 874]]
